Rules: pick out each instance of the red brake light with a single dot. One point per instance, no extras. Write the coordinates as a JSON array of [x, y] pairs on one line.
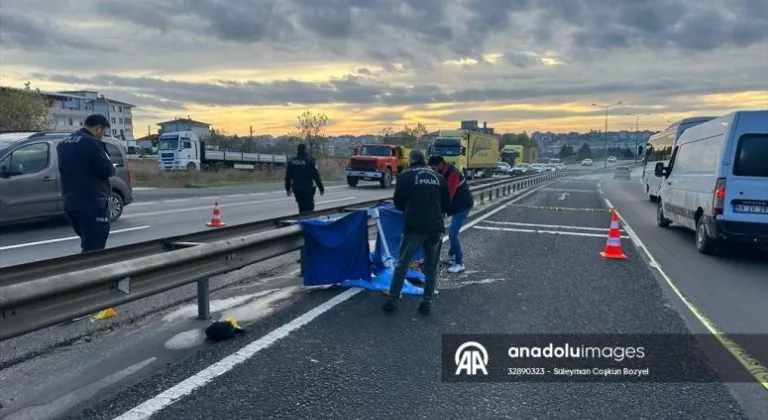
[[719, 197]]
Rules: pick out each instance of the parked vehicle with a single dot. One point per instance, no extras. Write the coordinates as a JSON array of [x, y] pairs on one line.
[[520, 169], [503, 168], [185, 150], [377, 162], [716, 182], [611, 158], [30, 186], [586, 162], [659, 149], [471, 152]]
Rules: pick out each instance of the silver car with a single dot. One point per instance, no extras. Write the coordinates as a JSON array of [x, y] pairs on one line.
[[30, 187]]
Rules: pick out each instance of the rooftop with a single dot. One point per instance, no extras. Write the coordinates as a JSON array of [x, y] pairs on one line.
[[187, 120]]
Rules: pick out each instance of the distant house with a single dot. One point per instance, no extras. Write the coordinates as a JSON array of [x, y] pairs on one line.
[[147, 142], [185, 124]]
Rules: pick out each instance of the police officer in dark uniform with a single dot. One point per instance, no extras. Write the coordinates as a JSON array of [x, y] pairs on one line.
[[85, 169], [301, 176]]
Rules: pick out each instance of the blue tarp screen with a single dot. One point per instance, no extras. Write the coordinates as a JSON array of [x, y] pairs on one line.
[[392, 224], [338, 250]]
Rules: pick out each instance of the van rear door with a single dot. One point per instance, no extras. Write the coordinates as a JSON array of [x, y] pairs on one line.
[[746, 196]]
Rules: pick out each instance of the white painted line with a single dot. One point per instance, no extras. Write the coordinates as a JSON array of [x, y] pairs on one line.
[[178, 200], [68, 238], [211, 197], [154, 405], [548, 226], [569, 190], [552, 232], [254, 194], [235, 195], [748, 362], [143, 188], [144, 203], [186, 387]]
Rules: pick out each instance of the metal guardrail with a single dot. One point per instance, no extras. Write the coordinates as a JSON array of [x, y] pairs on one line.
[[41, 294]]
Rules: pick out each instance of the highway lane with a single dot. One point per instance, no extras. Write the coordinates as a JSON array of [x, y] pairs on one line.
[[731, 289], [157, 219], [531, 269]]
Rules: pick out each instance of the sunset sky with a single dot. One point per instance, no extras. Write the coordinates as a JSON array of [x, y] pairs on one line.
[[533, 65]]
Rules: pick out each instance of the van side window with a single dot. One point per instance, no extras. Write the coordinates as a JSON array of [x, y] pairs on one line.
[[752, 155], [27, 159], [677, 160], [114, 154]]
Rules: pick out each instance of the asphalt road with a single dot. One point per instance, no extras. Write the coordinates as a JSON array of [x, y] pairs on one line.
[[730, 288], [533, 267], [159, 213]]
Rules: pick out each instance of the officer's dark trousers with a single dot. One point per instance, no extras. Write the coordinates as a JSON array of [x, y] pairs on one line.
[[305, 200], [409, 246], [91, 225]]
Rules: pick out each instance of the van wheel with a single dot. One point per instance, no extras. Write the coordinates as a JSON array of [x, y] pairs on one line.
[[661, 221], [115, 206], [704, 243]]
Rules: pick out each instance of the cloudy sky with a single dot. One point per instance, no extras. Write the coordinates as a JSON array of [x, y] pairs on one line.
[[518, 64]]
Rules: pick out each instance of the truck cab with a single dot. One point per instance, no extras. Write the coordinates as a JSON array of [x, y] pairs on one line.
[[179, 151], [376, 162]]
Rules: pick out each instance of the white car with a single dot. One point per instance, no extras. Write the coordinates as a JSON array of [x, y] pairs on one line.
[[502, 168], [586, 162], [538, 167], [611, 158]]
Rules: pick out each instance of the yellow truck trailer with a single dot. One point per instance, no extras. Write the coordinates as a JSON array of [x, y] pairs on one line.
[[471, 152]]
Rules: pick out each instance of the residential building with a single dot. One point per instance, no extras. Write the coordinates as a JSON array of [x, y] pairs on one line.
[[120, 114], [185, 124], [67, 111]]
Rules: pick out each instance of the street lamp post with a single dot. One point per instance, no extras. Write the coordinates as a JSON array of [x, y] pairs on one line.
[[606, 108], [637, 130]]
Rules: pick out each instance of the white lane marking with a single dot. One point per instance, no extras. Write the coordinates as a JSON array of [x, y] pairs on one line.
[[253, 194], [750, 364], [144, 203], [68, 238], [548, 226], [225, 205], [210, 197], [235, 195], [154, 405], [567, 190], [178, 200], [552, 232]]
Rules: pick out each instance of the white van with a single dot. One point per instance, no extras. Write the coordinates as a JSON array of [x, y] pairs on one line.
[[716, 182]]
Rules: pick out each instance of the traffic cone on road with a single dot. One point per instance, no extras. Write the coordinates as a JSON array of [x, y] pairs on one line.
[[216, 220], [613, 245]]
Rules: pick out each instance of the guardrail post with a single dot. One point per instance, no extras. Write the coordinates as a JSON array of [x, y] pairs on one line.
[[203, 300]]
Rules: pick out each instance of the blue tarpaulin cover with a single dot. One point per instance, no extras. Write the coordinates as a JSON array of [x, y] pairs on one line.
[[337, 250], [392, 224]]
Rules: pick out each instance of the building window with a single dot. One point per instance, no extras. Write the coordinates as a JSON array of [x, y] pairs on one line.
[[70, 122], [121, 120], [112, 108], [114, 131], [127, 121], [80, 122], [114, 120], [119, 109]]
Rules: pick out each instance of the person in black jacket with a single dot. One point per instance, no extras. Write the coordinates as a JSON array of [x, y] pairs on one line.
[[422, 195], [461, 203], [301, 174], [85, 168]]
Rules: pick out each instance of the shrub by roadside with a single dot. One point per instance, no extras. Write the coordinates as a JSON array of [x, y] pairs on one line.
[[145, 173]]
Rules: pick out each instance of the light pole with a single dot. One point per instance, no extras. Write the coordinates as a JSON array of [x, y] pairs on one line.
[[606, 108], [637, 130]]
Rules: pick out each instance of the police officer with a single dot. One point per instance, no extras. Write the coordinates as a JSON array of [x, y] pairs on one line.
[[85, 169], [422, 195], [300, 174]]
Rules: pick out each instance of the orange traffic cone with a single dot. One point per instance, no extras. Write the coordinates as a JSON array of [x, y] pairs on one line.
[[216, 221], [613, 245]]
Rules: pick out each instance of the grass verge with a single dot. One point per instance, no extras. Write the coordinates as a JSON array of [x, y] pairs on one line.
[[145, 173]]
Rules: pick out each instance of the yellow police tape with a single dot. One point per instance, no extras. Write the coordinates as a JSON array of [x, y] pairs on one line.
[[525, 206]]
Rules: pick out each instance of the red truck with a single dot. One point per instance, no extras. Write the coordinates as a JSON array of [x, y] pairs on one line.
[[376, 162]]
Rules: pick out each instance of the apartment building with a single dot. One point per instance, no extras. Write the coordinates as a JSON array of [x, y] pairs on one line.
[[67, 112], [120, 114]]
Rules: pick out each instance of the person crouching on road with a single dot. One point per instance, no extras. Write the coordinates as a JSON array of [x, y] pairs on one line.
[[85, 168], [301, 174], [422, 195], [461, 203]]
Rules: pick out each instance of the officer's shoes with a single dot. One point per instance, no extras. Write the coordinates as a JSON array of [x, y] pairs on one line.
[[425, 307], [390, 305]]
